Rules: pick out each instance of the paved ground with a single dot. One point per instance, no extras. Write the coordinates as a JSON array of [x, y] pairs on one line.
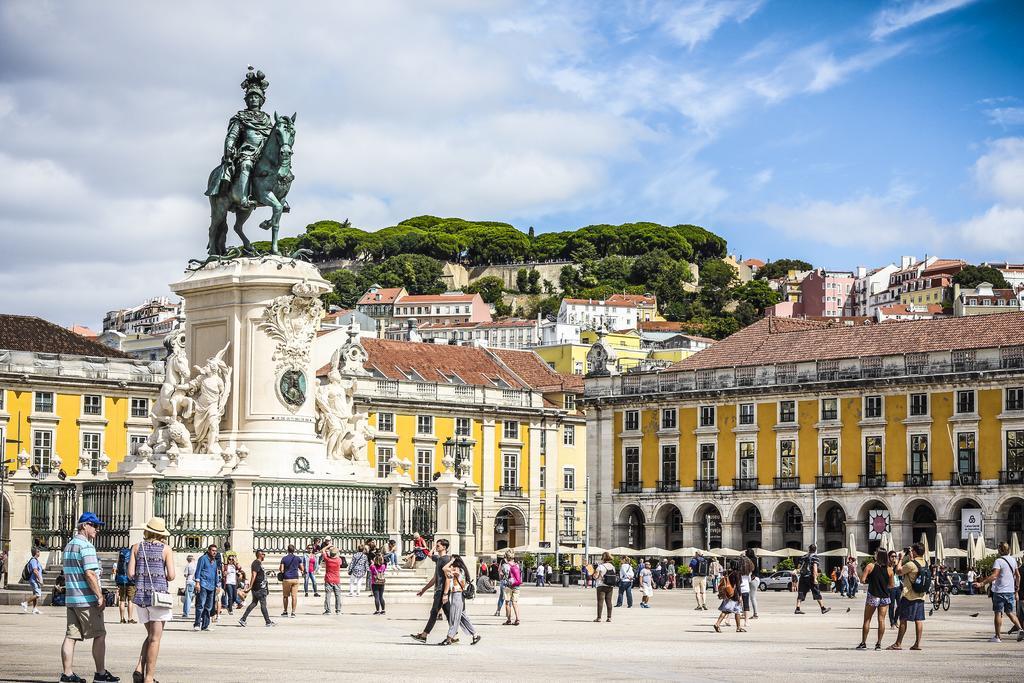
[[555, 642]]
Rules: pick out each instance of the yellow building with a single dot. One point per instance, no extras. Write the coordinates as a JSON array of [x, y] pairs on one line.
[[630, 353], [793, 431], [519, 422], [931, 295]]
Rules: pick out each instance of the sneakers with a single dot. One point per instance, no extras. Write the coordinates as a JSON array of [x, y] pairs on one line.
[[24, 608], [271, 624], [195, 628], [285, 613], [327, 611], [36, 611], [292, 615], [995, 639], [73, 678], [799, 611], [241, 622], [698, 608], [826, 610], [862, 646], [105, 677], [1020, 636]]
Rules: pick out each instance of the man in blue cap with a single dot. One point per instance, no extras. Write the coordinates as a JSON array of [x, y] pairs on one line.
[[84, 601]]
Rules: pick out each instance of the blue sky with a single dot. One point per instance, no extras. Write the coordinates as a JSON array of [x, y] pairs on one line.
[[844, 133]]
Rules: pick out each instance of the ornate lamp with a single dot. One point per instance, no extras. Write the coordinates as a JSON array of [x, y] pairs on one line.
[[448, 460]]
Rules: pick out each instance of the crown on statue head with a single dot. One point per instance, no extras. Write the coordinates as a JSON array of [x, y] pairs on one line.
[[255, 81]]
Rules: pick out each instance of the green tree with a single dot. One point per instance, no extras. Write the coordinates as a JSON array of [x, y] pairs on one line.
[[569, 280], [716, 280], [544, 306], [533, 281], [347, 288], [757, 293], [417, 273], [971, 276], [522, 281], [489, 288], [777, 269]]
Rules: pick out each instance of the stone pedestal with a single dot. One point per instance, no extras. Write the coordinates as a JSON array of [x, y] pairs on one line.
[[267, 312]]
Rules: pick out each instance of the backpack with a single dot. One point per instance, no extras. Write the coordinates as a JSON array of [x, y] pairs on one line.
[[805, 566], [611, 577], [469, 592], [123, 557], [702, 567], [26, 573], [923, 580]]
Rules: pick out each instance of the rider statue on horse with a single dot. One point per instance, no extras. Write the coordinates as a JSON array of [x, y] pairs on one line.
[[255, 169]]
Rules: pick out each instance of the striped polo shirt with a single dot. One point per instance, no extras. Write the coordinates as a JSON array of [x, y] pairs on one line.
[[79, 557]]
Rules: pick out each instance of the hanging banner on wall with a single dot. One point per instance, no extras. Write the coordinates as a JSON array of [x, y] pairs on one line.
[[971, 522], [878, 524]]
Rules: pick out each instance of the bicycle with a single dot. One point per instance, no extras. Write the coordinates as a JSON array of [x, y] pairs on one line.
[[940, 598]]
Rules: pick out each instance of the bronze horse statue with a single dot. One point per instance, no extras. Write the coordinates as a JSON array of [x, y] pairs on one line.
[[270, 181]]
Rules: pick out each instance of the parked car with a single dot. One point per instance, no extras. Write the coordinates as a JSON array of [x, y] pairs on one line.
[[959, 582], [779, 581]]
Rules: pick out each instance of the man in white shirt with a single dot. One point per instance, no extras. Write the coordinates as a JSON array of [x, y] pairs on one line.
[[190, 579], [1005, 580], [971, 578], [626, 576]]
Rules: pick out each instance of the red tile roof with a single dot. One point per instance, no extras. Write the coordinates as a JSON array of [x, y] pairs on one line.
[[789, 340], [28, 333], [436, 298], [598, 302], [904, 309], [632, 299], [753, 262], [473, 365], [944, 265], [387, 296], [532, 369], [83, 331]]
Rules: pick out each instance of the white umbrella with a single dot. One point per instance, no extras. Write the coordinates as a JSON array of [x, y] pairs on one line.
[[940, 551], [1014, 545], [724, 552], [852, 544], [790, 552], [761, 552], [683, 552], [952, 553], [843, 552], [622, 550], [924, 542], [595, 550], [654, 551], [982, 552], [972, 550]]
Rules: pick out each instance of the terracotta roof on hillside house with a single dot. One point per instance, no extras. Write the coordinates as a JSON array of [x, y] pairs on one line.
[[632, 299], [944, 265], [28, 333], [487, 324], [904, 309], [384, 295], [787, 340], [598, 302], [753, 262], [436, 298], [532, 369], [441, 363]]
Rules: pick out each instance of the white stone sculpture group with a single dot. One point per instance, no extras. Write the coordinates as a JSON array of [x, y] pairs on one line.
[[346, 432], [197, 402]]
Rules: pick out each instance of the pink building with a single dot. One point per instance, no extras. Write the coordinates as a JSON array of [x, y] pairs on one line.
[[828, 294], [441, 308]]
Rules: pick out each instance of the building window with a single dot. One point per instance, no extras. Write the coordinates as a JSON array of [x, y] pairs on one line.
[[510, 470], [669, 466], [3, 397], [385, 422], [543, 477], [705, 379], [1011, 357], [383, 462], [632, 421], [91, 449], [787, 411], [828, 370], [918, 404], [916, 363], [872, 407], [963, 360], [745, 376], [43, 402], [1015, 450], [42, 448], [1015, 398], [140, 407], [919, 454], [568, 435], [965, 401], [708, 469], [134, 441], [707, 416], [787, 458], [748, 466], [463, 426], [569, 520], [785, 374], [873, 455], [829, 409], [92, 404], [794, 520], [668, 418], [965, 453], [569, 478], [830, 457], [424, 424], [871, 367], [746, 413], [510, 430], [424, 465], [632, 464], [752, 521]]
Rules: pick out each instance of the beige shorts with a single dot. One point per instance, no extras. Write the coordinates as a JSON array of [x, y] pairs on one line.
[[85, 623], [512, 594], [153, 613], [290, 587]]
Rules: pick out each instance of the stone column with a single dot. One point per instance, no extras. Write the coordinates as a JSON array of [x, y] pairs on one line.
[[533, 520], [143, 497], [771, 535], [600, 444], [20, 487], [448, 515], [394, 528], [242, 535], [487, 475]]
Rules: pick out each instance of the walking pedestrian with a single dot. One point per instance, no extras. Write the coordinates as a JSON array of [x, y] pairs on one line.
[[206, 579], [440, 558], [916, 581], [35, 581], [189, 589], [357, 570], [550, 573], [714, 574], [810, 569], [744, 568], [626, 576], [878, 575], [151, 568], [231, 584], [1005, 580], [754, 581], [512, 584], [539, 576], [330, 559], [84, 601], [378, 569], [502, 581], [853, 580], [310, 573], [605, 579], [646, 585], [895, 590], [125, 587], [456, 578], [289, 571], [972, 576], [259, 590], [729, 595]]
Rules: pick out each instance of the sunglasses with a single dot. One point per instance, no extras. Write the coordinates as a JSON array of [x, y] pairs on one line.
[[94, 526]]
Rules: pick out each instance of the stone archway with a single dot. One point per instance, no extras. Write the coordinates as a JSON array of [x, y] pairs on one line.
[[748, 526], [1011, 515], [671, 519], [789, 520], [631, 527], [708, 520], [955, 513], [6, 518], [923, 520], [509, 528]]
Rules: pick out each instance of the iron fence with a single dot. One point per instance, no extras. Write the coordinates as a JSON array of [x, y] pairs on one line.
[[286, 514], [197, 511], [54, 514], [419, 512], [111, 501]]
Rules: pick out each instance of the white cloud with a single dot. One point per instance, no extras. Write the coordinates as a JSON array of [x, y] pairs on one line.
[[762, 178], [999, 230], [999, 172], [904, 14], [695, 21], [1006, 116]]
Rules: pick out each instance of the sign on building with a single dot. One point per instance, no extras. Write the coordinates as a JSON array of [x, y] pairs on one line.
[[971, 522], [878, 524]]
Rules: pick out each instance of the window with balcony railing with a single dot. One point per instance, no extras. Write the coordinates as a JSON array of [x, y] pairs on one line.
[[745, 376], [916, 363], [1015, 455], [830, 457], [919, 454], [669, 463], [707, 416], [1015, 399], [747, 414], [787, 458], [631, 459], [1011, 357], [708, 465], [828, 370], [873, 455], [963, 360], [785, 373], [871, 366]]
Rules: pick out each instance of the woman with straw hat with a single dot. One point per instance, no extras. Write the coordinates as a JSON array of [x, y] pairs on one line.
[[152, 568]]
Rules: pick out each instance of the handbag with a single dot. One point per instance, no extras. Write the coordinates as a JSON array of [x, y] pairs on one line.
[[160, 598]]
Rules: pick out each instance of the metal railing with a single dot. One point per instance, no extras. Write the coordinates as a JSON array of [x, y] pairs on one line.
[[54, 514], [745, 483], [710, 484], [286, 514], [787, 483], [828, 481], [872, 481], [112, 503], [630, 487], [668, 486], [197, 511], [917, 479], [511, 491], [964, 478], [1011, 476], [418, 509]]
